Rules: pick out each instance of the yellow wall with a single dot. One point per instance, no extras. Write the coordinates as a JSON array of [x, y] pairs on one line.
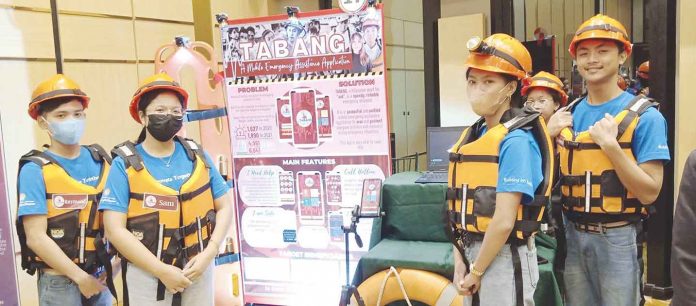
[[685, 142], [108, 46], [454, 110], [451, 8], [403, 30]]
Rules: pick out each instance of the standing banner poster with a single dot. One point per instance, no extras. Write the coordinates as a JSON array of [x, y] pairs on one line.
[[9, 294], [307, 105]]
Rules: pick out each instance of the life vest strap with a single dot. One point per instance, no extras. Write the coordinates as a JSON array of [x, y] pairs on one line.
[[517, 271], [190, 195], [129, 154], [193, 250], [462, 158], [98, 153], [90, 197], [104, 259], [539, 200], [181, 197], [457, 193], [455, 217], [193, 149], [193, 227], [639, 105], [578, 180], [574, 145], [527, 226], [583, 217], [569, 201]]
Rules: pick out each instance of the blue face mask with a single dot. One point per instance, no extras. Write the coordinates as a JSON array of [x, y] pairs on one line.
[[67, 132]]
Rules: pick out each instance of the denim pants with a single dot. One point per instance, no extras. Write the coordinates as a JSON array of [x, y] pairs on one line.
[[142, 289], [498, 281], [601, 268], [59, 290]]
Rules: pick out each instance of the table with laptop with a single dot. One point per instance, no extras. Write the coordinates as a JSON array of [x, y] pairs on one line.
[[412, 232]]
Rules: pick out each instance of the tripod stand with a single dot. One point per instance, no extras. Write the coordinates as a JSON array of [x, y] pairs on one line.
[[349, 290]]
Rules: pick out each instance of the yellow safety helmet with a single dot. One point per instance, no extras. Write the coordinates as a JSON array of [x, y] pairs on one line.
[[157, 81], [601, 27], [545, 80], [499, 53], [57, 86]]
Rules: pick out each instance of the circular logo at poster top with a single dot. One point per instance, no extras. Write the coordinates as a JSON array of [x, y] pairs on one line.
[[309, 182], [304, 118], [352, 6], [150, 201], [320, 103], [371, 186], [58, 201], [285, 110]]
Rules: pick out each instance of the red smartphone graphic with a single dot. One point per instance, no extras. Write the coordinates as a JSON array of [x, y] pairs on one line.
[[304, 127], [334, 193], [310, 198], [324, 117], [284, 119], [372, 188], [287, 187], [335, 226]]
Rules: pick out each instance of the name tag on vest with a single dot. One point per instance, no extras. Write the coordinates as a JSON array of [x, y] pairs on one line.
[[70, 201], [160, 202]]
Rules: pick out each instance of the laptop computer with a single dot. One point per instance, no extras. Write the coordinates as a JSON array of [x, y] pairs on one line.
[[439, 141]]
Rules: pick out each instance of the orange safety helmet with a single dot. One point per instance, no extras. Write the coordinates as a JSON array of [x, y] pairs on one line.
[[499, 53], [157, 81], [545, 80], [601, 27], [57, 86], [644, 70], [621, 82]]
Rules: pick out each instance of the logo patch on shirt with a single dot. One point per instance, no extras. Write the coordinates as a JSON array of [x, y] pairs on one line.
[[138, 234], [57, 233], [70, 201], [160, 202]]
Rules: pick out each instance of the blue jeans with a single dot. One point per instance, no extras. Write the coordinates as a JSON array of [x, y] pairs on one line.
[[498, 283], [58, 290], [602, 269]]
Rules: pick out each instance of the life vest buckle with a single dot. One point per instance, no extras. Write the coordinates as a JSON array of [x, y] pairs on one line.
[[571, 144], [454, 193], [455, 157]]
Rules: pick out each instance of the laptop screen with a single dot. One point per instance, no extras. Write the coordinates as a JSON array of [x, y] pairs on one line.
[[440, 140]]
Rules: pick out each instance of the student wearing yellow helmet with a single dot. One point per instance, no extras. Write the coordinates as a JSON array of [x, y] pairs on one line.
[[544, 93], [495, 202], [166, 208], [612, 148], [57, 220]]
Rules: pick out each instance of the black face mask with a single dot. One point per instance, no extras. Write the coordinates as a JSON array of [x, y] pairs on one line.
[[164, 127]]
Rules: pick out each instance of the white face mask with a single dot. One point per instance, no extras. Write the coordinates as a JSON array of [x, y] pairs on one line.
[[67, 132], [487, 104]]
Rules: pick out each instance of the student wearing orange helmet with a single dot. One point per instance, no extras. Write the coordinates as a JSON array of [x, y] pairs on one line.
[[544, 93], [612, 148], [642, 84], [166, 207], [57, 223], [495, 203]]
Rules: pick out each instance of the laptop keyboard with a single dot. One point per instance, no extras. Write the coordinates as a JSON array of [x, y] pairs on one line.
[[433, 177]]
